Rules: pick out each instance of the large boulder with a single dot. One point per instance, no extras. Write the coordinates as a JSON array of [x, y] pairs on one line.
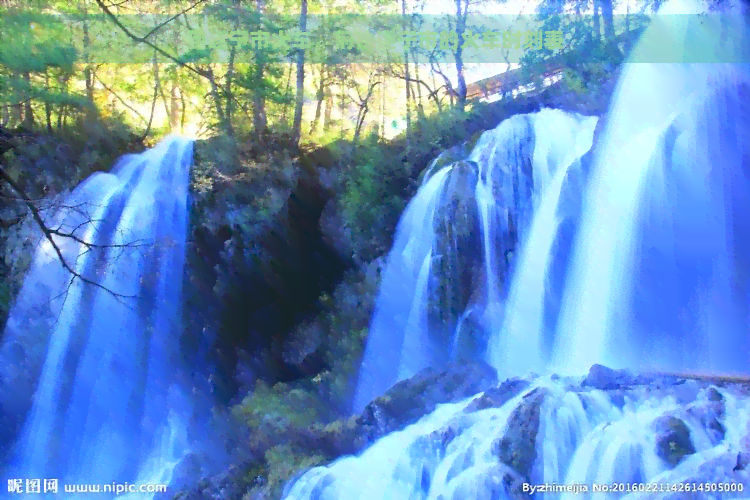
[[498, 396], [673, 442], [411, 399], [517, 448], [606, 379]]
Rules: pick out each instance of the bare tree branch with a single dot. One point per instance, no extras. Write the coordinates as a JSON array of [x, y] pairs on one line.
[[49, 233], [161, 25], [159, 50], [431, 94], [123, 101]]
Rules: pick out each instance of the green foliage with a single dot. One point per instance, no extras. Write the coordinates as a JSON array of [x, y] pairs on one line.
[[279, 408], [283, 462], [5, 299], [345, 327], [370, 204]]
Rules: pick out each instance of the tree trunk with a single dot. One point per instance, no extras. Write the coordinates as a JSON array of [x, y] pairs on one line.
[[597, 27], [342, 105], [28, 112], [360, 122], [167, 109], [607, 17], [382, 107], [287, 91], [174, 107], [216, 95], [6, 115], [87, 70], [407, 80], [47, 105], [156, 97], [300, 99], [364, 107], [420, 108], [329, 109], [61, 117], [436, 97], [260, 121], [63, 109], [319, 96], [183, 109], [460, 29], [229, 95]]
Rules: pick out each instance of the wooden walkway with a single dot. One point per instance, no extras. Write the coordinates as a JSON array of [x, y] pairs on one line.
[[507, 82]]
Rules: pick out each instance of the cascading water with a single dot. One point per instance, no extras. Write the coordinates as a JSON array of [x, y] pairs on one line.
[[492, 193], [518, 346], [552, 432], [107, 407], [659, 276], [651, 273]]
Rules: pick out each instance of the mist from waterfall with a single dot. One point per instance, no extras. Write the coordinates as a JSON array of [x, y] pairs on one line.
[[108, 407]]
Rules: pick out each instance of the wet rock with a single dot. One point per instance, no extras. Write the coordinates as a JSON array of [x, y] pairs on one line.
[[712, 394], [446, 434], [411, 399], [229, 485], [498, 396], [183, 475], [673, 440], [617, 398], [334, 232], [502, 482], [457, 242], [517, 448], [603, 378], [743, 460], [710, 413]]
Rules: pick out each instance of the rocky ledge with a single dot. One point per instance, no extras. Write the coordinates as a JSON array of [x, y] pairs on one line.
[[693, 424]]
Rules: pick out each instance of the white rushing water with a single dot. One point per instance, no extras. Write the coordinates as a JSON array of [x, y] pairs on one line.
[[658, 278], [517, 347], [580, 437], [106, 409], [515, 164]]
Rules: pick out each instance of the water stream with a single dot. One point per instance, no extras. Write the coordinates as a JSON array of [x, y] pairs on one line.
[[108, 406]]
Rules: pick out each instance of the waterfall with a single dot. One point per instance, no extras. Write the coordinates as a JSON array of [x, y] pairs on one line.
[[449, 263], [659, 274], [107, 405], [518, 346], [636, 257]]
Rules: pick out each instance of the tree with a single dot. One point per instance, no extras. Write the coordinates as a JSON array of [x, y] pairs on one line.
[[300, 98]]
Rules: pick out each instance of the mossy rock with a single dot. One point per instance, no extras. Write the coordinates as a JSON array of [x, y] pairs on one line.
[[673, 441], [411, 399], [517, 448], [498, 396]]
